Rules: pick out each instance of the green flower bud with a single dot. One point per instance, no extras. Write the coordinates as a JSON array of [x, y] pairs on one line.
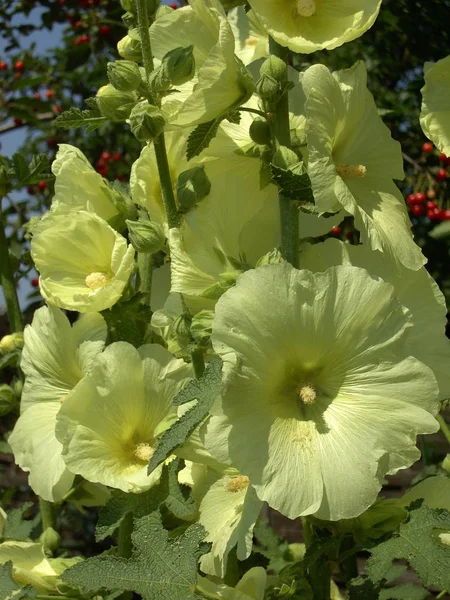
[[146, 121], [268, 89], [159, 80], [146, 236], [179, 65], [124, 75], [130, 20], [8, 401], [273, 81], [260, 132], [10, 342], [182, 330], [192, 186], [201, 327], [50, 539], [271, 258], [113, 104], [446, 463], [130, 48], [295, 552], [128, 5]]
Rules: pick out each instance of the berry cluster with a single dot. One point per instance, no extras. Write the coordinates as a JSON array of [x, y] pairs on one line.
[[104, 164]]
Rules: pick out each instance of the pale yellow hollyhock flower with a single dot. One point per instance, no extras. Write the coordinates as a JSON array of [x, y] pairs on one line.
[[55, 357], [111, 421], [352, 160], [220, 82], [252, 586], [83, 263], [32, 567], [251, 39], [313, 363], [435, 112], [416, 290], [308, 25], [79, 187]]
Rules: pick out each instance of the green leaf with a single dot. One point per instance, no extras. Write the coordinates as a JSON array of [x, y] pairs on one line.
[[234, 116], [168, 491], [20, 166], [159, 568], [11, 359], [201, 137], [294, 183], [270, 545], [74, 117], [18, 528], [38, 164], [417, 542], [9, 588], [441, 231], [363, 588], [128, 321], [204, 390], [404, 591]]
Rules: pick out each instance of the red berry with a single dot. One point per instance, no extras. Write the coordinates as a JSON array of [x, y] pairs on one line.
[[42, 185], [35, 282], [49, 94], [77, 24], [418, 210], [431, 194], [103, 171], [434, 214], [116, 156], [18, 122], [411, 199], [336, 230], [420, 197], [431, 205], [427, 148], [100, 163], [105, 155], [442, 157], [441, 175], [56, 108], [51, 141], [3, 65], [31, 190], [104, 30], [173, 5], [19, 65], [37, 95], [445, 215], [120, 177]]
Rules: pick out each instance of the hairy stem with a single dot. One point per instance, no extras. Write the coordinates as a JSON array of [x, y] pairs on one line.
[[145, 270], [47, 514], [289, 213], [124, 545], [198, 362], [8, 284], [444, 427], [144, 25]]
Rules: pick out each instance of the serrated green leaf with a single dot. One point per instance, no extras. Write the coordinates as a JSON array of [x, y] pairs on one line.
[[128, 321], [363, 588], [38, 164], [18, 528], [201, 137], [20, 166], [168, 491], [9, 588], [404, 591], [416, 542], [159, 568], [74, 117], [294, 183], [234, 116], [204, 390]]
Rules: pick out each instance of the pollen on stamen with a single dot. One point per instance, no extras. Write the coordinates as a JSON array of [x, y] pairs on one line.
[[307, 393], [306, 8], [237, 484], [351, 170], [96, 280], [252, 41], [143, 451]]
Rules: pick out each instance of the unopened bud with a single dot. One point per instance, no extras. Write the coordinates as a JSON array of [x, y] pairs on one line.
[[146, 236], [10, 342], [260, 132], [192, 186], [146, 121], [113, 104], [201, 327], [124, 75], [276, 68], [130, 20], [50, 539], [130, 48], [446, 463], [8, 401], [179, 65], [273, 80], [271, 258], [128, 5], [182, 331]]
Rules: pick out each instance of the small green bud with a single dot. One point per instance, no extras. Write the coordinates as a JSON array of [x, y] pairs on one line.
[[8, 401], [268, 89], [113, 104], [275, 68], [50, 539], [146, 236], [146, 121], [192, 186], [201, 327], [295, 552], [182, 330], [271, 258], [260, 132], [124, 75], [130, 20], [10, 342], [446, 463], [128, 5], [179, 65], [129, 48], [159, 80], [273, 82]]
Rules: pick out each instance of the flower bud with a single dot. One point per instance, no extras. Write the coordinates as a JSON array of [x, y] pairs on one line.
[[192, 186], [260, 132], [130, 20], [179, 65], [271, 258], [128, 5], [276, 68], [113, 104], [10, 342], [182, 330], [8, 401], [446, 463], [146, 236], [273, 80], [50, 539], [201, 327], [124, 75], [146, 121], [130, 48]]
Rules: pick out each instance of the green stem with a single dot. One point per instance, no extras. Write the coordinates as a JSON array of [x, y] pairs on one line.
[[168, 197], [253, 110], [289, 213], [124, 545], [145, 269], [308, 533], [198, 362], [444, 427], [144, 26], [8, 284], [47, 514], [441, 594]]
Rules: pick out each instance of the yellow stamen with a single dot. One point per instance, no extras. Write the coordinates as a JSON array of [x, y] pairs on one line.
[[306, 8], [237, 484], [252, 41], [307, 393], [143, 451], [96, 280], [351, 170]]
